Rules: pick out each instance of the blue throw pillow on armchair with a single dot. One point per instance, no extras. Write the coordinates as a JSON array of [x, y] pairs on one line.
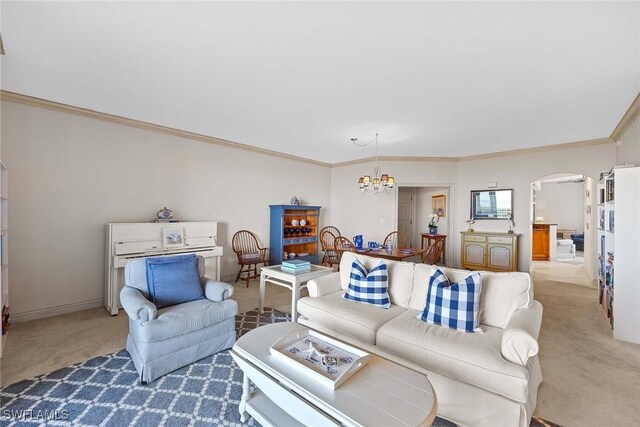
[[173, 280]]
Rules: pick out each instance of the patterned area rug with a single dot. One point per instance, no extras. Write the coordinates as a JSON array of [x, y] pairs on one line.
[[104, 391]]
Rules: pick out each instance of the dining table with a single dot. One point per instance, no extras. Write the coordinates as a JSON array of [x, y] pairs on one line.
[[394, 254]]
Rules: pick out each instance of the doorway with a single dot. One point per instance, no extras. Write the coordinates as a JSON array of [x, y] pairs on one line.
[[563, 230], [414, 205]]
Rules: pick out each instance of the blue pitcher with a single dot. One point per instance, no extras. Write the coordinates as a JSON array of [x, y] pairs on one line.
[[358, 241]]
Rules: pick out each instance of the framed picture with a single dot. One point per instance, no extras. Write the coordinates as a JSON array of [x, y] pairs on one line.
[[439, 205], [172, 237]]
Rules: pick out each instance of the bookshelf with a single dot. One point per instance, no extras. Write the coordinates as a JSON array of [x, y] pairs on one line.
[[618, 245], [4, 254]]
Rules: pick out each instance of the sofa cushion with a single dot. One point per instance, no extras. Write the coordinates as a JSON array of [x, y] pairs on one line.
[[360, 321], [454, 305], [502, 293], [474, 359], [185, 318], [173, 280], [368, 287], [400, 276]]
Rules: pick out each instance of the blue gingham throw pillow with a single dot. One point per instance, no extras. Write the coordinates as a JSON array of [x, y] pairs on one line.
[[369, 287], [455, 305]]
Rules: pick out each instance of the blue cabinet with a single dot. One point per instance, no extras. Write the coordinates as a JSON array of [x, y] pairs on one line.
[[294, 229]]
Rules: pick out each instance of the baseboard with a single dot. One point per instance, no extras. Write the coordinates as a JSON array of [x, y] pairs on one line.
[[55, 311]]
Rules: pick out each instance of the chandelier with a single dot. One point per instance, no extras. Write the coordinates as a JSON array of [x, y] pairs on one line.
[[381, 183]]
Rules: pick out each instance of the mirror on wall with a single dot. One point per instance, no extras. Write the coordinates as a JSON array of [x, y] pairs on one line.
[[492, 204]]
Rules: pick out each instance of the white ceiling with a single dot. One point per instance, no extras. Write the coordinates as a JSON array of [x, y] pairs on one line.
[[434, 79]]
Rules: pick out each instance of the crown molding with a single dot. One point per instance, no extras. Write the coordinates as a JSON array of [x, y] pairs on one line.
[[84, 112], [396, 159], [628, 118], [632, 113], [541, 149]]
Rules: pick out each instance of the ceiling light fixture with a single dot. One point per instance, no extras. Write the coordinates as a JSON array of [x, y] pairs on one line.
[[381, 183]]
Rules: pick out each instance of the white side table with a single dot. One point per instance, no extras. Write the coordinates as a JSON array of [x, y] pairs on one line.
[[292, 281]]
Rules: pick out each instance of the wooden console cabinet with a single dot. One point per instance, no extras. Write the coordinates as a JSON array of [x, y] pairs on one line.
[[540, 250], [489, 251]]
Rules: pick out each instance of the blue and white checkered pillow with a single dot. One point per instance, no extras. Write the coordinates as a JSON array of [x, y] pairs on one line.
[[455, 305], [369, 287]]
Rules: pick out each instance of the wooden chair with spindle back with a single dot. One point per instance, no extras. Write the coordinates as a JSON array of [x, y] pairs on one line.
[[433, 253], [398, 239], [327, 241], [247, 248], [333, 230], [342, 245]]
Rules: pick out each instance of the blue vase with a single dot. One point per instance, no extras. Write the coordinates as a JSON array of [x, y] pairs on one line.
[[433, 230], [358, 241]]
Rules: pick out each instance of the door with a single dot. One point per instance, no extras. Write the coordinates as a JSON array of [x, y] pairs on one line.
[[499, 257], [540, 245], [473, 254], [406, 213]]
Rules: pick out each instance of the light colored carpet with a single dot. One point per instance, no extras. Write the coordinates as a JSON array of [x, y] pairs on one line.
[[589, 378]]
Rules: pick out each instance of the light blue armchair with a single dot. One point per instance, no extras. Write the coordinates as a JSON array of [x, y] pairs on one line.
[[161, 341]]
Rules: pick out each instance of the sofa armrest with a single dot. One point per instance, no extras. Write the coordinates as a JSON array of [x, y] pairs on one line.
[[324, 285], [136, 305], [520, 337], [216, 291]]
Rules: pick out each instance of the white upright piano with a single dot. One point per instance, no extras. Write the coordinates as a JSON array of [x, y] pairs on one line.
[[126, 241]]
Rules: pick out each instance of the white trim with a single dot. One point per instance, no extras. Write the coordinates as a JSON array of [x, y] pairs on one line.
[[56, 311]]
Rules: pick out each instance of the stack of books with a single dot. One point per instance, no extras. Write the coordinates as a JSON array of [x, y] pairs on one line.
[[295, 266]]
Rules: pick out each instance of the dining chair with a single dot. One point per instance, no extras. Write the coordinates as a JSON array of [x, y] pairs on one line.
[[433, 253], [333, 230], [247, 248], [327, 241], [398, 239], [342, 245]]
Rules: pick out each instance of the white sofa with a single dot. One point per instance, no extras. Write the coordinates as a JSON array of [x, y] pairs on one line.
[[480, 379]]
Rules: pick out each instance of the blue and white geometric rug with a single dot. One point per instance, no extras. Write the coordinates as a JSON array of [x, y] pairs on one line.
[[104, 391]]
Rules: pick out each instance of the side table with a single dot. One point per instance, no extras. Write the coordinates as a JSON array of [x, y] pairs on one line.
[[429, 237], [292, 281]]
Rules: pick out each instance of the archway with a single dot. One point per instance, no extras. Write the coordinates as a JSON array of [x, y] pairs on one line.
[[563, 228]]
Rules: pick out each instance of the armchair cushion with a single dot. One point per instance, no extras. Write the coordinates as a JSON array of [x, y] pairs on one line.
[[173, 280], [182, 319], [136, 305], [520, 337], [216, 291]]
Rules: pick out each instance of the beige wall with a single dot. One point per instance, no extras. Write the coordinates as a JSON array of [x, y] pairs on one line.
[[70, 175], [562, 204], [629, 150], [518, 172], [376, 216], [424, 208], [355, 213]]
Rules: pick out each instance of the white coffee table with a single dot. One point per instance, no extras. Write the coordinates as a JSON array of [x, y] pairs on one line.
[[292, 281], [382, 393]]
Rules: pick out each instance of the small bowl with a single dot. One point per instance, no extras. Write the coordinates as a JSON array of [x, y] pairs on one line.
[[292, 255], [295, 222]]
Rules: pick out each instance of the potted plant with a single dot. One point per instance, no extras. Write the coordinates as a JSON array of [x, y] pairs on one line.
[[433, 223]]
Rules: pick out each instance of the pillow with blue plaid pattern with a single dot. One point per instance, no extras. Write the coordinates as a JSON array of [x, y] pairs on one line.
[[455, 305], [369, 287]]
